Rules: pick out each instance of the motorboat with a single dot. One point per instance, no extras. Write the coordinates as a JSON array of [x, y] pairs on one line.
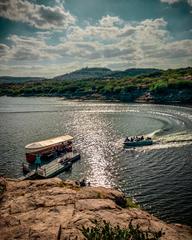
[[137, 141]]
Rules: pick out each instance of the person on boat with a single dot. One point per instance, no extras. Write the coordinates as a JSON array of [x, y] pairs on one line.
[[37, 161], [62, 147], [56, 152], [142, 138], [126, 139]]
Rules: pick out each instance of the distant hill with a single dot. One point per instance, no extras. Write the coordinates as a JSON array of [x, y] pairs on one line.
[[132, 72], [85, 73], [9, 79], [98, 73], [140, 71]]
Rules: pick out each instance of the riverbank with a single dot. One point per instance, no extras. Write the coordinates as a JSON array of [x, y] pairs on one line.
[[140, 95], [171, 96], [57, 209]]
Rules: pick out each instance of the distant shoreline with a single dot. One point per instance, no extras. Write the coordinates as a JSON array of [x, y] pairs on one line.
[[172, 86]]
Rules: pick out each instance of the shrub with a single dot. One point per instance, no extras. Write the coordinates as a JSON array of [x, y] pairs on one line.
[[104, 231], [131, 204], [159, 86]]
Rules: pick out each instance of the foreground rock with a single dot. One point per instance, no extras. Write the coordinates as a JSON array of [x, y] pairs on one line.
[[53, 209]]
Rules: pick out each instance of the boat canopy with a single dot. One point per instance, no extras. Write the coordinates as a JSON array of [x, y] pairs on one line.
[[38, 146]]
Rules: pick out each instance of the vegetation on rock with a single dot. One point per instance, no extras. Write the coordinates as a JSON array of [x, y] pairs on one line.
[[104, 231]]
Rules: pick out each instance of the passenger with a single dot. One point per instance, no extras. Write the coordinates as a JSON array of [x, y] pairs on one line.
[[83, 183], [142, 138], [62, 147], [57, 151], [64, 150], [37, 161]]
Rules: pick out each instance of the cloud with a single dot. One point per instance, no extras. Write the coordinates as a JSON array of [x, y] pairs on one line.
[[109, 21], [37, 70], [38, 16], [27, 49], [175, 1], [111, 42], [170, 1], [3, 50], [171, 50]]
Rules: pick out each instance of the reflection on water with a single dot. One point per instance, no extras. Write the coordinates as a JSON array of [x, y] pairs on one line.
[[158, 176], [94, 132]]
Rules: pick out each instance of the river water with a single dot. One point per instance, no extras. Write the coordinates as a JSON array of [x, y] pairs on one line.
[[159, 177]]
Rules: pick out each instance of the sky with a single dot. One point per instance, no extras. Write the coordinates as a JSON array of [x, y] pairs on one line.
[[47, 38]]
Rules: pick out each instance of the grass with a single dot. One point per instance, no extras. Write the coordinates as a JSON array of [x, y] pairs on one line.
[[126, 202], [104, 231], [131, 203]]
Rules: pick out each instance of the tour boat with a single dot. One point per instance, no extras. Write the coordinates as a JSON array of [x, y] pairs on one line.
[[50, 157]]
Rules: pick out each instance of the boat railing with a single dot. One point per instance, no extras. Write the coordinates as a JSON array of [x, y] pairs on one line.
[[55, 165]]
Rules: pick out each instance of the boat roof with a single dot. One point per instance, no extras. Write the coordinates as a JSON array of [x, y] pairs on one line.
[[37, 146]]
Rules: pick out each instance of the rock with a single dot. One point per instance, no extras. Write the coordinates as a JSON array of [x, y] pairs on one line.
[[3, 187], [94, 204], [56, 209]]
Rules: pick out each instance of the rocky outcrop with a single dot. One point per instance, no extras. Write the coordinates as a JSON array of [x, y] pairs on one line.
[[56, 209]]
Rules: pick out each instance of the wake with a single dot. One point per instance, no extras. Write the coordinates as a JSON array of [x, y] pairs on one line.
[[173, 140]]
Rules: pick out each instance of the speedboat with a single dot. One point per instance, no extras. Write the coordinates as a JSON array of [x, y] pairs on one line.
[[137, 141]]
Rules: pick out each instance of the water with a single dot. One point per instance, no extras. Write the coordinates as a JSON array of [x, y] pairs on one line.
[[158, 176]]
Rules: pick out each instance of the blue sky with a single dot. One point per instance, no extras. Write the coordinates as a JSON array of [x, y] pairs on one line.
[[52, 37]]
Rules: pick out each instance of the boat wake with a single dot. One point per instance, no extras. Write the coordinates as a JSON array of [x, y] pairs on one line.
[[157, 133], [177, 137], [173, 140]]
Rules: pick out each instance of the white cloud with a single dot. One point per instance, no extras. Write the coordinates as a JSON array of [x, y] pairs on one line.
[[111, 42], [175, 1], [39, 16], [4, 49], [37, 70], [27, 49], [109, 21], [170, 1]]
